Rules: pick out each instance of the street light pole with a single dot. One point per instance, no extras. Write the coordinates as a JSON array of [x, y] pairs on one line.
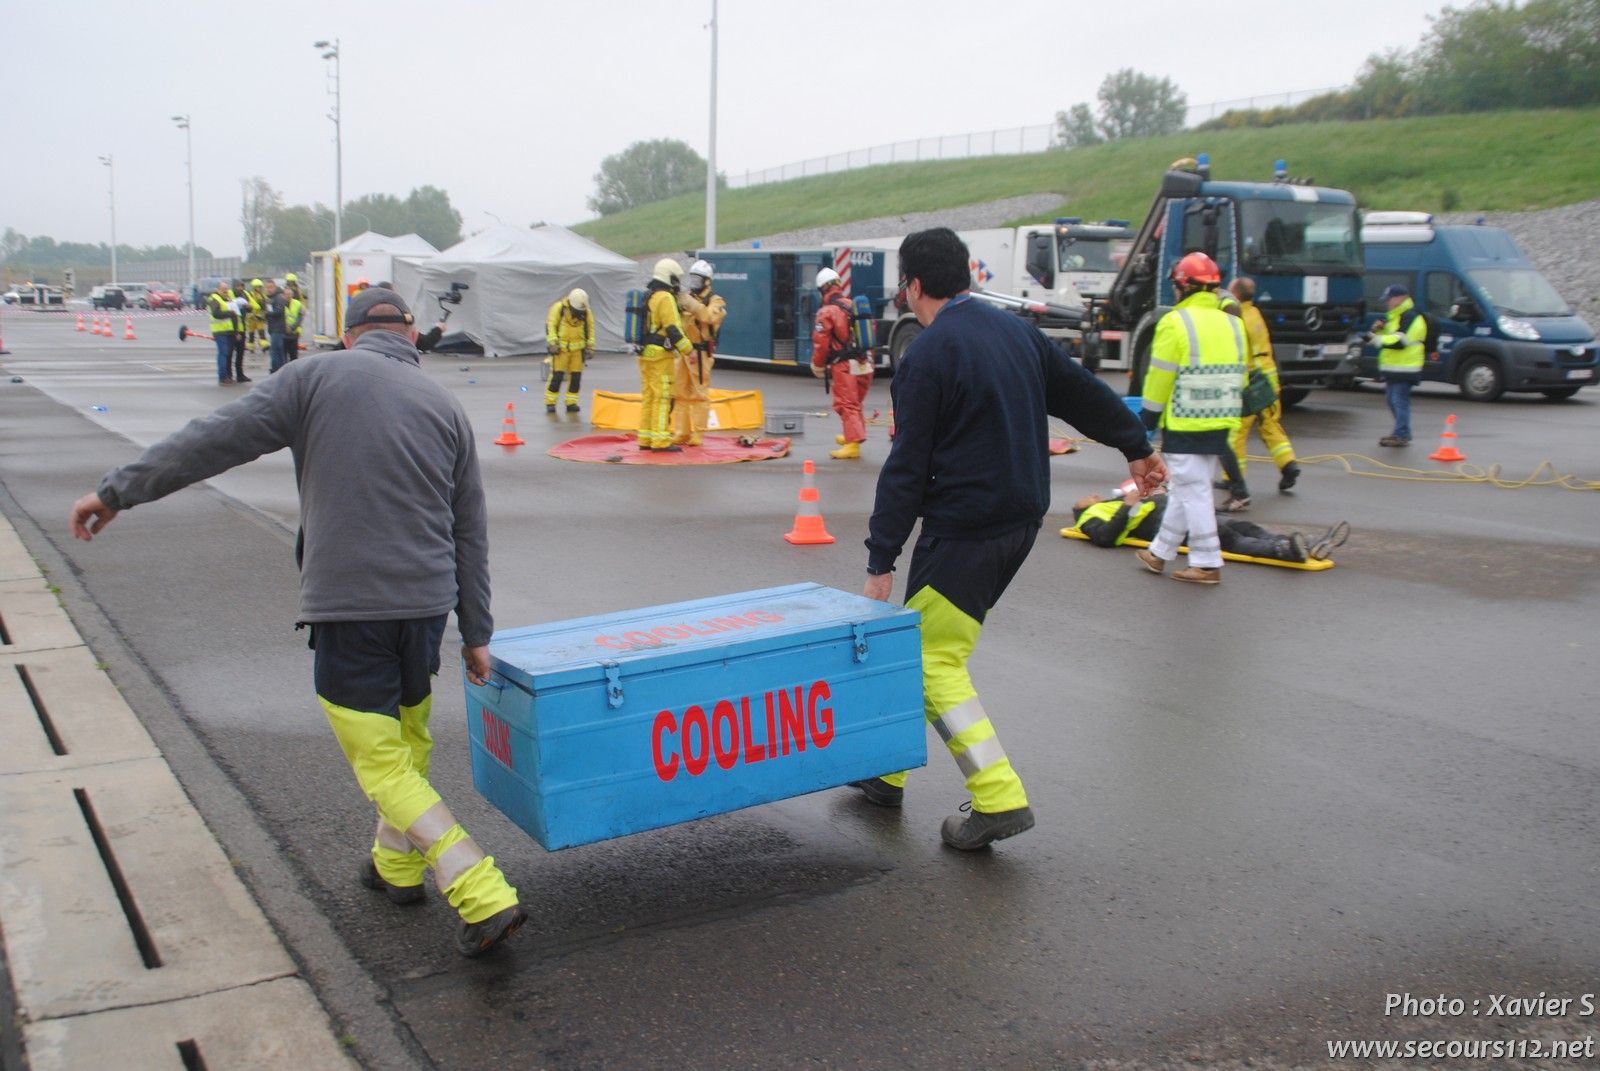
[[711, 162], [111, 173], [188, 136], [332, 52]]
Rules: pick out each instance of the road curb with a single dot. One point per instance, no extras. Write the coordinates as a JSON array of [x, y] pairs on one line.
[[122, 916]]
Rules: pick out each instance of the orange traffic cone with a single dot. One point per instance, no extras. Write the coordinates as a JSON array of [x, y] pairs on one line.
[[127, 332], [81, 328], [808, 527], [104, 327], [1447, 443], [509, 436]]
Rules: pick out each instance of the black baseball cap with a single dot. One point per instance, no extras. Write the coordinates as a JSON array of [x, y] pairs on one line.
[[1394, 290], [359, 311]]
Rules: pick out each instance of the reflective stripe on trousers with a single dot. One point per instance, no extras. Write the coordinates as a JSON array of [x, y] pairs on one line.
[[1191, 514], [383, 752], [951, 705], [655, 400]]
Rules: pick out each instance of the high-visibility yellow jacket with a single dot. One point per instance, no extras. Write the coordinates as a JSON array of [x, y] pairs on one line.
[[1197, 367], [663, 326], [292, 313], [567, 329], [1402, 349], [702, 315], [221, 313], [1259, 341]]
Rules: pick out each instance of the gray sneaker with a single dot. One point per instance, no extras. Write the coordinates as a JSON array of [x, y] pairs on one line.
[[881, 792], [476, 938], [977, 829], [397, 894]]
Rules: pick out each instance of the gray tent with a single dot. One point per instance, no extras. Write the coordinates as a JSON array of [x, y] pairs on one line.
[[514, 275]]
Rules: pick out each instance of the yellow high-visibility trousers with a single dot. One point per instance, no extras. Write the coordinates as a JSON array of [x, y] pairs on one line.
[[655, 399], [384, 753], [951, 705], [1269, 425]]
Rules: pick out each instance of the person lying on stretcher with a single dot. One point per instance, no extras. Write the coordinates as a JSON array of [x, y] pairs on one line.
[[1109, 522]]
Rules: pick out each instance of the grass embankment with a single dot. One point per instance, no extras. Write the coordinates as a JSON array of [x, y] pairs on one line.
[[1497, 161]]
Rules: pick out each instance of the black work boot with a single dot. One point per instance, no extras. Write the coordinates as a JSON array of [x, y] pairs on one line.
[[881, 792], [476, 938], [550, 407], [397, 894], [977, 829], [1287, 478]]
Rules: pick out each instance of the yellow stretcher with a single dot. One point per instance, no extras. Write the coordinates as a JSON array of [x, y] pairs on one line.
[[1228, 555], [730, 409]]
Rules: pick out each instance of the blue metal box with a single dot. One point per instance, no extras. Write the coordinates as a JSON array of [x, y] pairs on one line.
[[603, 726]]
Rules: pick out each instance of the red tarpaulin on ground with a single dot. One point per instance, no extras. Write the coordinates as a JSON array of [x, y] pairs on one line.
[[624, 450]]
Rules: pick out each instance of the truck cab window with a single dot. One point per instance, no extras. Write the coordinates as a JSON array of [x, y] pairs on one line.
[[1443, 292], [1041, 259]]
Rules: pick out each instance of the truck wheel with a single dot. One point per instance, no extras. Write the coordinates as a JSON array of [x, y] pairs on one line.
[[1481, 380], [1559, 394], [1293, 396], [898, 344]]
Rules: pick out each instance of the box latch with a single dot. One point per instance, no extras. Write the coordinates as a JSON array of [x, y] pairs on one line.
[[858, 634], [613, 684]]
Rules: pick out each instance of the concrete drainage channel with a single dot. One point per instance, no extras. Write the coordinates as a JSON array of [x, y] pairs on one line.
[[129, 940]]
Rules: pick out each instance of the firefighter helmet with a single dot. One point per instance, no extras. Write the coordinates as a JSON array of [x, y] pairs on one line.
[[668, 271], [1196, 269], [827, 277], [578, 299]]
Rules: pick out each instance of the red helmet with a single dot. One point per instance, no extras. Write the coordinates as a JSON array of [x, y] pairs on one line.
[[1196, 269]]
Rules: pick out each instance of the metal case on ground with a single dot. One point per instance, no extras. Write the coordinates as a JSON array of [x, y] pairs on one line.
[[604, 726]]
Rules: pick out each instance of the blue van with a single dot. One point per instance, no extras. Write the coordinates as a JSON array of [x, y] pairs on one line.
[[1501, 325]]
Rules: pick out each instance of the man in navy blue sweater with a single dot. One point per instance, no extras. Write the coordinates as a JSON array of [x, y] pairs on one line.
[[971, 458]]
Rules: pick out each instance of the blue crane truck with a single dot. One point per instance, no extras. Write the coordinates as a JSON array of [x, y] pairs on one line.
[[1301, 244]]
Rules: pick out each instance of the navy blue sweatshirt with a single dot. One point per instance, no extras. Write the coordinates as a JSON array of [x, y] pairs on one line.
[[971, 452]]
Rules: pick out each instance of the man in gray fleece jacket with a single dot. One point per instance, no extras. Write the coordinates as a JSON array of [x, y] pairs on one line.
[[393, 536]]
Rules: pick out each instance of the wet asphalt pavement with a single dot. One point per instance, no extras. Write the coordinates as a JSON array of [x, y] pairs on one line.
[[1261, 808]]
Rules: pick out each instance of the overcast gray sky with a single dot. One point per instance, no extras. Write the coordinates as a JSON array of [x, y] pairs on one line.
[[510, 107]]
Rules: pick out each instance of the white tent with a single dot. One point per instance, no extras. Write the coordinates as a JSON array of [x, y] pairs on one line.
[[514, 275], [370, 256]]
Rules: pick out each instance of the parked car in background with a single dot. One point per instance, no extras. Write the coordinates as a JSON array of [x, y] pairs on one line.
[[11, 297], [161, 296], [108, 297], [133, 293]]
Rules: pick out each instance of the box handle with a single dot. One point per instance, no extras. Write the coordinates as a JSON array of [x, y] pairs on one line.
[[859, 634], [613, 684]]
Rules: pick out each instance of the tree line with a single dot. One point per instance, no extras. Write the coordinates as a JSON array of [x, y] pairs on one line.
[[1487, 56], [277, 237]]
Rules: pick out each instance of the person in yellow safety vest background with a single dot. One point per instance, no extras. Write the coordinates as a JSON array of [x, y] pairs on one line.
[[569, 336], [255, 317], [1194, 391], [291, 283], [1402, 348], [294, 313], [219, 305], [1268, 423], [702, 313], [663, 336], [241, 306], [834, 357]]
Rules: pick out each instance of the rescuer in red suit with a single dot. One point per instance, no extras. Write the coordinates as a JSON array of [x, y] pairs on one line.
[[834, 354]]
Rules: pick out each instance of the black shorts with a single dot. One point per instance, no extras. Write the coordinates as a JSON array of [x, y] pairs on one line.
[[971, 573], [377, 666]]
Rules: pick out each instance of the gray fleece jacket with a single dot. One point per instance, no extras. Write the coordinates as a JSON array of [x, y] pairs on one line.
[[392, 518]]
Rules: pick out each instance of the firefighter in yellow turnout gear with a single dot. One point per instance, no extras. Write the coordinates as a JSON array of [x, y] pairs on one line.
[[569, 336], [255, 316], [663, 337], [1269, 423], [702, 313]]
